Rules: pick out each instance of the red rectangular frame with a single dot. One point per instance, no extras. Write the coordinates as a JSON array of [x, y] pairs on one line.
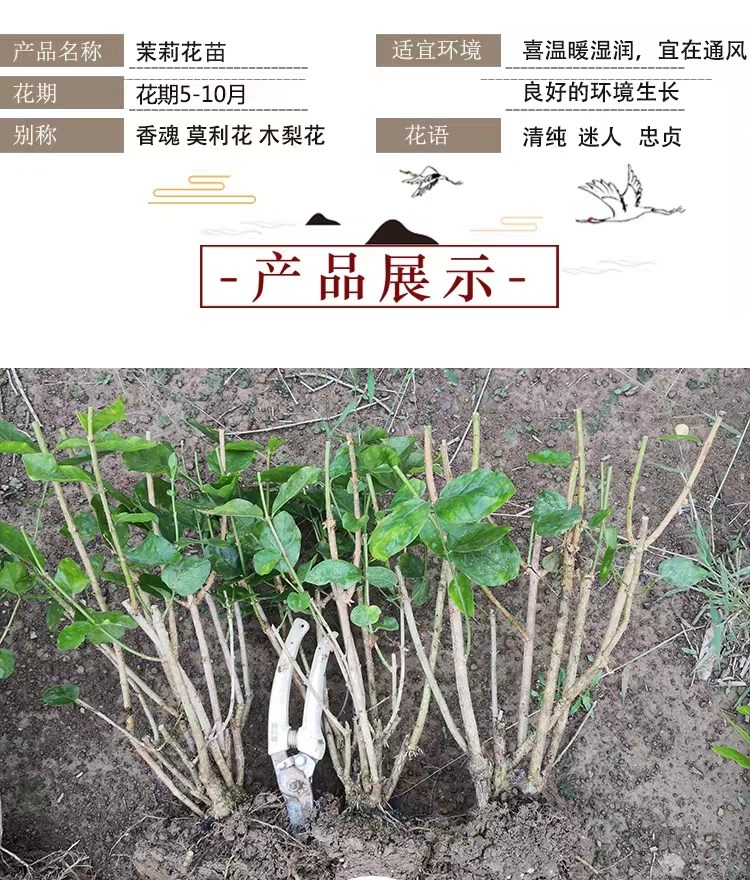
[[395, 305]]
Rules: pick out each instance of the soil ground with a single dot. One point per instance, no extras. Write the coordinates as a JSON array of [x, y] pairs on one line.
[[638, 794]]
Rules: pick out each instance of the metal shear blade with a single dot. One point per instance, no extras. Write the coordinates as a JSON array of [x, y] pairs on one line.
[[294, 772]]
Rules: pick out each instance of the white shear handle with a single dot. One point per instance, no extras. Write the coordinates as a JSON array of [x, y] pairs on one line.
[[278, 707], [309, 739]]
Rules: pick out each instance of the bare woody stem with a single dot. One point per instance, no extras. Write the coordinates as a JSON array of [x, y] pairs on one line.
[[353, 664], [574, 655], [633, 489], [528, 647], [478, 764], [108, 513], [410, 743], [581, 459], [367, 635], [609, 643], [571, 545], [500, 770], [143, 753], [618, 621], [73, 529], [426, 668], [88, 567], [479, 767], [697, 467], [558, 642]]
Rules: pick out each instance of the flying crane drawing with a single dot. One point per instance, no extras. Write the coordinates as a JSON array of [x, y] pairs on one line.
[[624, 206], [427, 178]]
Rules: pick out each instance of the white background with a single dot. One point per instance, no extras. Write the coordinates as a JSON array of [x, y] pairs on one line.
[[90, 274]]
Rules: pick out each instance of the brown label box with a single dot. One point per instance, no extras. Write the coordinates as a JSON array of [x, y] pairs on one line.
[[437, 135], [62, 135], [62, 92], [62, 50], [437, 50]]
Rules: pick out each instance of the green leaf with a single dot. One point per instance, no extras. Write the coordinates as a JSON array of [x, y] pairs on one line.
[[411, 566], [105, 442], [381, 577], [239, 454], [732, 755], [116, 618], [15, 579], [303, 570], [153, 550], [274, 444], [405, 492], [17, 543], [224, 558], [461, 594], [431, 538], [73, 635], [475, 537], [279, 474], [206, 430], [493, 565], [237, 507], [598, 518], [264, 561], [744, 710], [365, 615], [473, 496], [86, 524], [135, 517], [606, 566], [352, 524], [294, 485], [682, 438], [681, 572], [7, 663], [610, 540], [61, 695], [374, 435], [378, 461], [154, 460], [334, 571], [298, 602], [552, 516], [289, 536], [115, 412], [394, 533], [104, 635], [54, 615], [42, 466], [153, 585], [389, 624], [15, 441], [551, 562], [451, 377], [745, 734], [186, 576], [551, 456], [420, 592], [221, 490], [70, 578], [345, 413]]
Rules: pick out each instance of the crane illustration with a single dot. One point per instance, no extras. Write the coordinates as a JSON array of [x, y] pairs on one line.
[[427, 178], [624, 206]]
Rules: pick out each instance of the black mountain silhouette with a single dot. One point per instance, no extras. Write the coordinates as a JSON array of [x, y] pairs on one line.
[[394, 232], [321, 220]]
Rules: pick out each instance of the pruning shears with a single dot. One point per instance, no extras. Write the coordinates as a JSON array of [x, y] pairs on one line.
[[294, 772]]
